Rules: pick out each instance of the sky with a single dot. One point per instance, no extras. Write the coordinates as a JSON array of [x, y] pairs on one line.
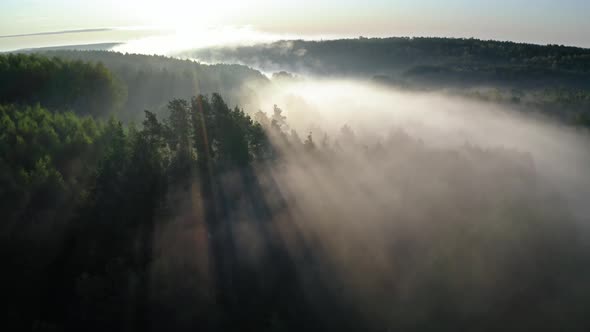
[[539, 21]]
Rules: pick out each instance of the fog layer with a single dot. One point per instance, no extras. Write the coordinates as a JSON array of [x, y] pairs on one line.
[[395, 210], [322, 107]]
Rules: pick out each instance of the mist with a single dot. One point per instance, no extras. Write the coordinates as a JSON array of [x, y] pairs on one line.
[[175, 42], [323, 107], [394, 210]]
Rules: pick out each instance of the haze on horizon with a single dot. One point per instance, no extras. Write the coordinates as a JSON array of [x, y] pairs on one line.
[[25, 24]]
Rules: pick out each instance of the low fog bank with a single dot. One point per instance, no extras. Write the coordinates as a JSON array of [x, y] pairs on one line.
[[386, 210], [558, 152]]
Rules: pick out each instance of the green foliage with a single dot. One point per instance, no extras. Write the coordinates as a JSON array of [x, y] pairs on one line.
[[85, 88], [50, 157], [42, 148]]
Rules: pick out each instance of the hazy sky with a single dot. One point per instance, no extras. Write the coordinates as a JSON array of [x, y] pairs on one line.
[[538, 21]]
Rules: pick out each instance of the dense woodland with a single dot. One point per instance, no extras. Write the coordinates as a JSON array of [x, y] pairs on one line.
[[470, 59], [202, 217], [89, 89]]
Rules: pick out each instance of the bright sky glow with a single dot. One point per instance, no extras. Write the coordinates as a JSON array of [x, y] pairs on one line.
[[537, 21]]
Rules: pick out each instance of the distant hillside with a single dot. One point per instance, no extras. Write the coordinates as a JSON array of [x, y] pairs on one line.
[[552, 79], [420, 60]]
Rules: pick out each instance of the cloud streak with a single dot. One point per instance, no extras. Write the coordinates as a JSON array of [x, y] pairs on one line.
[[63, 32]]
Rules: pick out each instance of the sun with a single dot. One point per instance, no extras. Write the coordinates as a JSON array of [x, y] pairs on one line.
[[185, 24], [187, 15]]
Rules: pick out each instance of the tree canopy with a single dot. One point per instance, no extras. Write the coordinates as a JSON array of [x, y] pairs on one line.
[[83, 87]]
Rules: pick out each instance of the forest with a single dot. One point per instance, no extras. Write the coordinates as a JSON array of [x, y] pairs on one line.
[[136, 197], [470, 59], [90, 89]]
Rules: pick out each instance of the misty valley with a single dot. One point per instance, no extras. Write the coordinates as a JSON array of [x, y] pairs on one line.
[[366, 184]]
